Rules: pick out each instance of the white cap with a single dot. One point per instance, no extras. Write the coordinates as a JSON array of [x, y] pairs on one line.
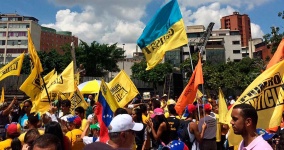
[[124, 122]]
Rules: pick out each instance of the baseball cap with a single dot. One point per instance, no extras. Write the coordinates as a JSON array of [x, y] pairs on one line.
[[207, 107], [165, 95], [171, 102], [124, 122], [190, 108], [13, 128], [75, 119], [95, 126], [264, 133], [157, 111]]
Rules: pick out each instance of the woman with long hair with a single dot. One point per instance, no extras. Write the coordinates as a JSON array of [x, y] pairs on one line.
[[55, 129], [140, 136], [25, 112], [161, 130]]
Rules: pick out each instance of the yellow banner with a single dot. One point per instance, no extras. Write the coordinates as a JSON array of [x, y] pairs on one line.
[[2, 96], [122, 88], [265, 94], [12, 68], [223, 109]]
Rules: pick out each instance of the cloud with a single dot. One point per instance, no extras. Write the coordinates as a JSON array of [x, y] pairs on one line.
[[256, 31], [107, 21]]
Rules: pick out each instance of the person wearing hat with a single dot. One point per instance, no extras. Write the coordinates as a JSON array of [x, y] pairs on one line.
[[13, 131], [161, 130], [189, 123], [95, 130], [122, 131], [5, 110], [74, 133], [209, 138]]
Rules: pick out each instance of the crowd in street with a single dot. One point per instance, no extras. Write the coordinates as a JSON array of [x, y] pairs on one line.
[[142, 125]]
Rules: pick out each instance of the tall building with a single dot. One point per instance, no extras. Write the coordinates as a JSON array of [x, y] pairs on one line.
[[238, 22], [14, 36], [51, 39]]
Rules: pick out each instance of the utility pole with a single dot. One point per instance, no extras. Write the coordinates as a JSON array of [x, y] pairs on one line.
[[123, 56]]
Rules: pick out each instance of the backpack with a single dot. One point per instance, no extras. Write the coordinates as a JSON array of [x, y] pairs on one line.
[[183, 133]]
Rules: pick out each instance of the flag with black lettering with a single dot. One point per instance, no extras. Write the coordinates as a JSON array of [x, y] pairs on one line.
[[12, 68], [2, 96], [164, 32], [122, 88], [265, 94]]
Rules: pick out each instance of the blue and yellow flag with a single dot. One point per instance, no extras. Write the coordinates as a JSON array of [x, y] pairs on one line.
[[164, 32]]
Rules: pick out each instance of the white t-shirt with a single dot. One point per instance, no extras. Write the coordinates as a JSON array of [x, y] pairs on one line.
[[210, 131], [89, 140]]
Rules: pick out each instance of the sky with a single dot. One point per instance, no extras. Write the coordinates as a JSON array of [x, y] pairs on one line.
[[122, 21]]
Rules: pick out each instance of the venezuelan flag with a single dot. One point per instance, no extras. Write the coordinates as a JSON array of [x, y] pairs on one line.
[[164, 32], [106, 106]]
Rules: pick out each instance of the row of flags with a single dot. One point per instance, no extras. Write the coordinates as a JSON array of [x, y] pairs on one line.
[[164, 32]]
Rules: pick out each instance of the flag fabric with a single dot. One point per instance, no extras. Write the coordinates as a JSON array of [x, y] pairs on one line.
[[278, 55], [198, 95], [164, 32], [48, 76], [77, 100], [33, 54], [2, 96], [12, 68], [106, 106], [189, 93], [122, 88], [266, 95], [32, 85], [222, 107]]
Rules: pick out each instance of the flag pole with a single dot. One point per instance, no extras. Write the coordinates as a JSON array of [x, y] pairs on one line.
[[44, 85]]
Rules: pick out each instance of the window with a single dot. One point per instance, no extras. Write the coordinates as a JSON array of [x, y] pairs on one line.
[[236, 51], [237, 60], [236, 42], [222, 34]]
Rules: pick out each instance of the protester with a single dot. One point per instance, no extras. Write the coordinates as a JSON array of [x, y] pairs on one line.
[[32, 123], [55, 129], [173, 120], [122, 131], [140, 136], [65, 110], [82, 72], [95, 130], [162, 131], [48, 142], [5, 110], [74, 133], [209, 139], [244, 121], [13, 131], [91, 107], [16, 144], [79, 111], [29, 138], [26, 110]]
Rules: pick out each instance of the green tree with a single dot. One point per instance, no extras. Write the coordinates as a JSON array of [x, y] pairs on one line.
[[275, 36], [156, 76], [98, 58]]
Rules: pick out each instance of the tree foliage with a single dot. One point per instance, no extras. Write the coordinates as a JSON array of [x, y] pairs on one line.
[[275, 36], [156, 75], [98, 58], [232, 77]]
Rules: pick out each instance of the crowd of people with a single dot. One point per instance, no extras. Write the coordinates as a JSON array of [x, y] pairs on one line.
[[142, 125]]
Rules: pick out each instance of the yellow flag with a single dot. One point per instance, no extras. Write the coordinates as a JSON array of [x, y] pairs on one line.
[[122, 88], [76, 78], [2, 96], [48, 76], [32, 86], [77, 100], [199, 94], [266, 95], [33, 54], [223, 109], [63, 82], [12, 68]]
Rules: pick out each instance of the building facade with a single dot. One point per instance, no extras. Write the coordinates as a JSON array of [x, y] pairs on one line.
[[51, 39], [14, 35], [240, 23]]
